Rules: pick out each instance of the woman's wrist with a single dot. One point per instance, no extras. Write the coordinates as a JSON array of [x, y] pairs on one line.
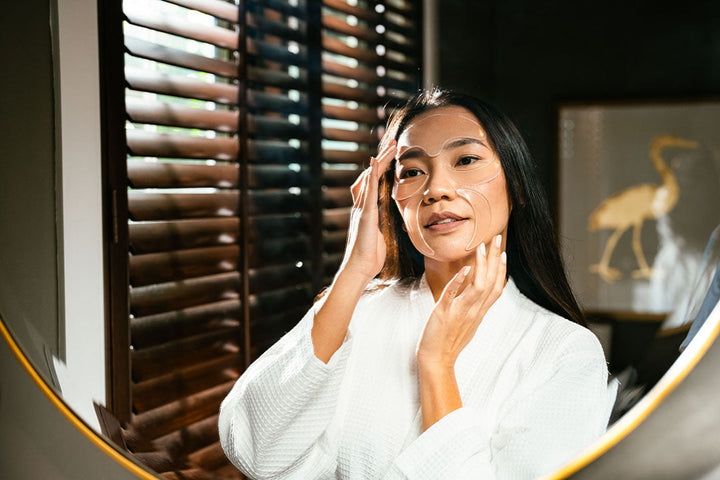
[[439, 392], [351, 280]]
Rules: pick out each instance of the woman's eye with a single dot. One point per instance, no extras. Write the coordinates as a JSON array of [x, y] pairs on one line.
[[463, 161], [410, 172]]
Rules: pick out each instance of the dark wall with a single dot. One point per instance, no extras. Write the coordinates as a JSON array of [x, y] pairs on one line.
[[29, 288], [526, 57]]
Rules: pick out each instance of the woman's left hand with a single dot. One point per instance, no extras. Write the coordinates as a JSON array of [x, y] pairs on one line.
[[462, 307]]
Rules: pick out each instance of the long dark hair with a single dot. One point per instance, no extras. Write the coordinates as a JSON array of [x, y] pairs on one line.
[[534, 260]]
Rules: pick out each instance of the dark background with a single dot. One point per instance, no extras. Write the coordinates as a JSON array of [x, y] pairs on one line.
[[527, 57]]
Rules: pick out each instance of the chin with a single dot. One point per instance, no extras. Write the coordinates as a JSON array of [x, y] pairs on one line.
[[450, 252]]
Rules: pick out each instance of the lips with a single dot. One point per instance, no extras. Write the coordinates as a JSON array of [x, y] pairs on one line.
[[443, 218]]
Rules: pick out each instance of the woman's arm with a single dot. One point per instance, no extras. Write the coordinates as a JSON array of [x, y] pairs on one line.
[[452, 324], [273, 423], [364, 258], [538, 430]]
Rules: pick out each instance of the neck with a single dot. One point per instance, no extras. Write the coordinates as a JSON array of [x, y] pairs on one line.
[[439, 273]]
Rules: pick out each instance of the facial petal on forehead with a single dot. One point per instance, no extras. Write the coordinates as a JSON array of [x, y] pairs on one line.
[[432, 133]]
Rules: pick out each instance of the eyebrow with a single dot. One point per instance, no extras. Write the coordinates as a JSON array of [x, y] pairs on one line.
[[416, 152]]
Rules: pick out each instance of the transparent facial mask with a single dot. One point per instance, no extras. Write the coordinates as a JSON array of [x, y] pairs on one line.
[[429, 138]]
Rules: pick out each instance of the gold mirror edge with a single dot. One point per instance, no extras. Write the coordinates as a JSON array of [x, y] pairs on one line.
[[667, 384], [69, 414], [649, 403]]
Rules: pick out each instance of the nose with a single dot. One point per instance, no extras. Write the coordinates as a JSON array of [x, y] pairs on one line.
[[439, 187]]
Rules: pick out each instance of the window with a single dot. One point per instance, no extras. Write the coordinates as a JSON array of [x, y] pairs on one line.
[[244, 126]]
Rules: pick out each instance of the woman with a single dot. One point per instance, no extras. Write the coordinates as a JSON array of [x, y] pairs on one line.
[[443, 367]]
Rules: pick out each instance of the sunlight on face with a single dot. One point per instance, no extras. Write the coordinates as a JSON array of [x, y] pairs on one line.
[[449, 185]]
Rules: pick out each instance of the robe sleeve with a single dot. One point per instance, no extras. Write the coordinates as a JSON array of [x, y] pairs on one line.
[[542, 427], [272, 423]]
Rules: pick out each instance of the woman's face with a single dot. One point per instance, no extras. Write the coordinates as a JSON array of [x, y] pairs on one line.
[[449, 185]]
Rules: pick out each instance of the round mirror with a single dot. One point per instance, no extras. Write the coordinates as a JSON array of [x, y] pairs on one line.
[[57, 384]]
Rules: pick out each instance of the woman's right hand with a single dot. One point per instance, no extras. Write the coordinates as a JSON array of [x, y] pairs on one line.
[[365, 250]]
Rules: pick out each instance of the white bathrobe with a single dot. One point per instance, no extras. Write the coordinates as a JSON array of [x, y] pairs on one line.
[[533, 386]]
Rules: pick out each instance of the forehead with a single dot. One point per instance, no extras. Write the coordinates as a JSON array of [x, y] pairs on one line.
[[433, 128]]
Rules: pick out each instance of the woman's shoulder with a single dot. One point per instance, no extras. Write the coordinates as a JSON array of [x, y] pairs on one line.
[[557, 334]]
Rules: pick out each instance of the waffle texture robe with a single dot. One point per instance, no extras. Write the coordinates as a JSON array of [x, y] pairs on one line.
[[533, 386]]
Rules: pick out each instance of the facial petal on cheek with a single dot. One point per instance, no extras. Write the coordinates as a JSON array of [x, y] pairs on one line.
[[482, 216]]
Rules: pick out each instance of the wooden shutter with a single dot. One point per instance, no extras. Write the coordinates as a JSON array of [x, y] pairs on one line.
[[245, 125], [371, 62]]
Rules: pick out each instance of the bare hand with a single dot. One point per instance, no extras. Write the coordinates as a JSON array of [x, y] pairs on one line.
[[462, 307], [365, 251]]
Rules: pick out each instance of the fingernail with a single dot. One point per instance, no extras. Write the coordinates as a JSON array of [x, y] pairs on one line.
[[482, 249], [498, 241], [465, 270], [503, 258]]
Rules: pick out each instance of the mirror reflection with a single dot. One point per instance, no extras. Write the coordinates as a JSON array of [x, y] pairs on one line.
[[231, 135]]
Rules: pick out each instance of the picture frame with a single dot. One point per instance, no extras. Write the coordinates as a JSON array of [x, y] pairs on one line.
[[638, 197]]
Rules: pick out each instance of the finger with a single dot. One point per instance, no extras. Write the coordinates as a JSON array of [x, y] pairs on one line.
[[493, 259], [501, 274], [385, 157], [371, 186], [480, 265], [455, 286], [356, 188]]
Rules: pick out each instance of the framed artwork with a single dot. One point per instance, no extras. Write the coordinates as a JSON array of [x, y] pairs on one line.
[[639, 196]]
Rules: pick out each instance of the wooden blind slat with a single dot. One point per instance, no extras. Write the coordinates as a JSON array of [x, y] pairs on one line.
[[273, 277], [277, 301], [181, 264], [276, 53], [334, 177], [210, 457], [361, 115], [191, 438], [336, 45], [346, 156], [216, 8], [279, 251], [166, 358], [339, 25], [276, 78], [171, 296], [334, 242], [361, 135], [154, 82], [166, 389], [165, 327], [157, 236], [265, 25], [336, 218], [337, 197], [147, 237], [277, 103], [280, 6], [152, 144], [358, 73], [174, 206], [359, 12], [171, 56], [181, 413], [218, 36], [271, 151], [344, 92], [174, 115], [180, 175]]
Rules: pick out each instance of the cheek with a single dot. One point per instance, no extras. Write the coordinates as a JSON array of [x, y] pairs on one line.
[[498, 200]]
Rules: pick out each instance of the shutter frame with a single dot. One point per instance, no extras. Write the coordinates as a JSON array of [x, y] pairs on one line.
[[229, 232]]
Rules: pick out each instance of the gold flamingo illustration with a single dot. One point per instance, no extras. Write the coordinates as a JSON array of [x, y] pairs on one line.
[[632, 206]]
